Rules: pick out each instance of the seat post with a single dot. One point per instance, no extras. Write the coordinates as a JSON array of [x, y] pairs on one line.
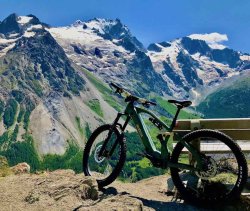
[[175, 117]]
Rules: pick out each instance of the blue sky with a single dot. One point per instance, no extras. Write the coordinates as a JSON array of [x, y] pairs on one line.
[[149, 20]]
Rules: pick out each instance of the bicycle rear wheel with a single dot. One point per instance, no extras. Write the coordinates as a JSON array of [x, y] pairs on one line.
[[104, 168], [224, 170]]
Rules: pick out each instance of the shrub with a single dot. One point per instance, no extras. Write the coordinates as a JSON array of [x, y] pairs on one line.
[[21, 114], [25, 151], [18, 95], [95, 106], [72, 159], [1, 107], [10, 112]]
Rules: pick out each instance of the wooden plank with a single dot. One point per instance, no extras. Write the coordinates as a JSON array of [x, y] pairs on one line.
[[195, 125], [217, 152], [236, 134], [233, 123], [218, 148], [245, 194], [240, 134], [236, 128]]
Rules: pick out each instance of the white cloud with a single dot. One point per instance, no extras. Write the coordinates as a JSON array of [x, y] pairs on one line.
[[214, 40]]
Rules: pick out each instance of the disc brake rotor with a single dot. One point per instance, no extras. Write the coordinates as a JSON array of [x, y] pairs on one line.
[[98, 159], [209, 171]]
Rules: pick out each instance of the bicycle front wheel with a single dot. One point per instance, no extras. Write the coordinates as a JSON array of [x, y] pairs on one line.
[[104, 168], [224, 168]]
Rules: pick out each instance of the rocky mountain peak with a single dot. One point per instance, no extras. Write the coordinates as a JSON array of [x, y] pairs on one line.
[[10, 24], [97, 24], [211, 49], [14, 26], [157, 47], [46, 63], [78, 23], [195, 63], [116, 30], [113, 30], [195, 46]]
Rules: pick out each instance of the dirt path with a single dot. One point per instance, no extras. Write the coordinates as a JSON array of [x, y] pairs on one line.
[[152, 192]]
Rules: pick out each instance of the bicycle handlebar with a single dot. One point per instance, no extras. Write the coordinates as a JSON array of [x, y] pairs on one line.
[[130, 97]]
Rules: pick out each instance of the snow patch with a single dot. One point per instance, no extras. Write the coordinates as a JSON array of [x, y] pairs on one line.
[[24, 19], [86, 37], [73, 33], [14, 35], [196, 94], [5, 50], [214, 40], [98, 24], [29, 34], [231, 74], [245, 57], [5, 41], [167, 53], [38, 26]]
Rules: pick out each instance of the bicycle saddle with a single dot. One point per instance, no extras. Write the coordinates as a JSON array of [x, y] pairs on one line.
[[182, 104]]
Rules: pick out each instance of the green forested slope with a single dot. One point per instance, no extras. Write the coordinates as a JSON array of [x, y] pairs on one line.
[[228, 102]]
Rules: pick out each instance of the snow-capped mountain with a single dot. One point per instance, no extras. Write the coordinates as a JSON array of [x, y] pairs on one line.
[[195, 64], [188, 67], [107, 48], [16, 27], [43, 96]]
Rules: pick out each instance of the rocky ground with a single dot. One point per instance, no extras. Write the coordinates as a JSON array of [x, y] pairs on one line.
[[65, 190]]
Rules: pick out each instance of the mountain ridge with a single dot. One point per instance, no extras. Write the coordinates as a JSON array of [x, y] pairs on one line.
[[191, 55]]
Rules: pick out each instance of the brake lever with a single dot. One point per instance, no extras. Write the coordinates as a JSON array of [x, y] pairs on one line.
[[116, 91], [146, 105], [119, 91]]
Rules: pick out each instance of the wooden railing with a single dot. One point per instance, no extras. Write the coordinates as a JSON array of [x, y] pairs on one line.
[[237, 128]]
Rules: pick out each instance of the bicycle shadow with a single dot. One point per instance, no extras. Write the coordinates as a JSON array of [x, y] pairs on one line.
[[174, 204]]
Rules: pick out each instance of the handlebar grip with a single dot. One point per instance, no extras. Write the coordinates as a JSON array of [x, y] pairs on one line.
[[114, 85], [130, 97], [119, 90]]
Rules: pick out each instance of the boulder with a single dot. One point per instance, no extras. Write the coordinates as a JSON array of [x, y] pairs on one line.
[[21, 168]]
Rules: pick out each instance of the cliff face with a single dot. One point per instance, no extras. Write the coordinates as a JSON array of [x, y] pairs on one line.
[[42, 93]]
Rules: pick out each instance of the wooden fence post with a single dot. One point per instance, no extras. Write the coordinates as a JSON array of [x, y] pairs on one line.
[[194, 125]]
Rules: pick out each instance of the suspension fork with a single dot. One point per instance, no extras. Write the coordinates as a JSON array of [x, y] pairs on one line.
[[115, 123]]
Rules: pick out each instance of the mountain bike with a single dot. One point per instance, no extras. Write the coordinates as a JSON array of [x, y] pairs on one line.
[[213, 172]]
